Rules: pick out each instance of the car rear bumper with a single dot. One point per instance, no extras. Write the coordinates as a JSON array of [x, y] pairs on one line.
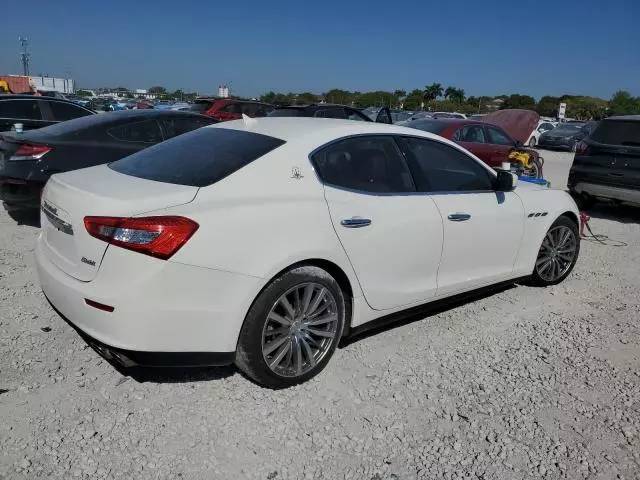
[[169, 308], [606, 191], [19, 193]]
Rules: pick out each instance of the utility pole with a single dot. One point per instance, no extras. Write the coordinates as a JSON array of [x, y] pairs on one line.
[[25, 58]]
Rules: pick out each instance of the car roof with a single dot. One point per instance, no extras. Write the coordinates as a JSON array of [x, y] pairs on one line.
[[313, 105], [322, 129], [14, 96], [624, 117]]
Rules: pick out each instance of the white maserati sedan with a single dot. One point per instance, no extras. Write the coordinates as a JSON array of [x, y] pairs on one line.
[[262, 242]]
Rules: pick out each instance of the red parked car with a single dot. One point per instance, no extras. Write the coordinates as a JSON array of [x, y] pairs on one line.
[[223, 109], [489, 140]]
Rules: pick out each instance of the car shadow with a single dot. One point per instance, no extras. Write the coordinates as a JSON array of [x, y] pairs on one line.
[[616, 213], [24, 216], [406, 317]]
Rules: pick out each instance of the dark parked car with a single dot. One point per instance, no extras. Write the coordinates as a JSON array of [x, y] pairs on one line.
[[28, 160], [565, 136], [224, 109], [327, 110], [37, 112], [607, 163]]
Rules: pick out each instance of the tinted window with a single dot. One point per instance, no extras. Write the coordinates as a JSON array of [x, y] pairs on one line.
[[440, 168], [173, 127], [618, 132], [20, 109], [200, 106], [369, 164], [198, 158], [249, 109], [331, 113], [498, 137], [545, 127], [470, 133], [138, 132], [432, 126], [290, 112], [66, 111], [355, 115], [232, 108]]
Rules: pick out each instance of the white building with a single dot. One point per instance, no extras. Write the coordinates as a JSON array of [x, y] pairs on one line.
[[53, 84], [223, 91]]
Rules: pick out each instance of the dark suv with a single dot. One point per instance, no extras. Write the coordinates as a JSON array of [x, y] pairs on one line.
[[327, 110], [36, 112], [223, 109], [607, 163]]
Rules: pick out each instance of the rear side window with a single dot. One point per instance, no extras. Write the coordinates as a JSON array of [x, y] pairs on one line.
[[618, 132], [20, 109], [198, 158], [177, 126], [137, 132], [200, 107], [331, 113], [289, 112], [65, 111]]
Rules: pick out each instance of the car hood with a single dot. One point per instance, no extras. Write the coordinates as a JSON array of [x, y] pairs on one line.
[[517, 122]]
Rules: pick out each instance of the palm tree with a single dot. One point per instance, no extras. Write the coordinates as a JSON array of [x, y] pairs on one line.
[[450, 92], [432, 92], [457, 95]]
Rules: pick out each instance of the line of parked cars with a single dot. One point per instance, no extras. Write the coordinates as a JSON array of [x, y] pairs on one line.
[[319, 215]]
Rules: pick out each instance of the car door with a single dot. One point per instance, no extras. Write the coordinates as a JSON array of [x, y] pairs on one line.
[[384, 116], [482, 228], [134, 136], [473, 137], [500, 145], [393, 238]]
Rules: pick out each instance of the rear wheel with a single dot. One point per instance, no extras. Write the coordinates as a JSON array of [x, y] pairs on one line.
[[532, 142], [292, 328], [558, 253]]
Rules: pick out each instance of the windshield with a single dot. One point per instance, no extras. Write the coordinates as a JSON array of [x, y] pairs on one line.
[[569, 128], [618, 132], [200, 106], [198, 158], [432, 126]]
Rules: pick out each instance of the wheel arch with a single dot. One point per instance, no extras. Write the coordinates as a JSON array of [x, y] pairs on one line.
[[571, 216]]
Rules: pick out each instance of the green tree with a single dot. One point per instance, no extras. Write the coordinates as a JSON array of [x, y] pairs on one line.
[[335, 95], [585, 108], [158, 90], [268, 97], [432, 92], [456, 95], [306, 98], [517, 100], [622, 103], [414, 99], [178, 94], [548, 106]]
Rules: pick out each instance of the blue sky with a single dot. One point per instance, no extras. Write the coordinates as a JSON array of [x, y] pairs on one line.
[[487, 47]]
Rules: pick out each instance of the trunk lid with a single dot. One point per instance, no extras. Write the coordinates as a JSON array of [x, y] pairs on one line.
[[96, 191]]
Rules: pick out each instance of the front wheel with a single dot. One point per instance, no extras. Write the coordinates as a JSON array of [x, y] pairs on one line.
[[292, 328], [532, 142], [558, 253]]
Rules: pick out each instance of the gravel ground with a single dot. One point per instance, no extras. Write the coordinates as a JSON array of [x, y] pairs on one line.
[[524, 383]]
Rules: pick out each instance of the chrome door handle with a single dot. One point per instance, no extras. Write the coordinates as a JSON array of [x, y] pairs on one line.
[[459, 217], [355, 222]]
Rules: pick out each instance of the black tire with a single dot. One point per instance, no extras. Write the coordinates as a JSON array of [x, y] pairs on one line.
[[584, 201], [249, 356], [532, 142], [540, 281]]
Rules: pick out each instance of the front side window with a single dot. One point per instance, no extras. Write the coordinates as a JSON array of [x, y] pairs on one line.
[[437, 167], [65, 111], [356, 115], [147, 131], [20, 109], [498, 137], [366, 164], [471, 134]]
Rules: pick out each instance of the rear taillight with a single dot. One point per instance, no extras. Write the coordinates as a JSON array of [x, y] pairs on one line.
[[159, 237], [582, 148], [30, 152]]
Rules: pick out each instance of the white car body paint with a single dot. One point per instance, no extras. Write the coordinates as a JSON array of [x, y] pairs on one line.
[[265, 217]]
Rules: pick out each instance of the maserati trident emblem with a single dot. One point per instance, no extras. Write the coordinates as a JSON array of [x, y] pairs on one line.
[[296, 173]]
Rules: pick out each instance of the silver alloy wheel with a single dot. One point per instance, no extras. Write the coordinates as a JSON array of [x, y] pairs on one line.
[[557, 253], [300, 329]]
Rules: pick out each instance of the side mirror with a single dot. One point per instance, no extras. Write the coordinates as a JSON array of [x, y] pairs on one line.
[[504, 181]]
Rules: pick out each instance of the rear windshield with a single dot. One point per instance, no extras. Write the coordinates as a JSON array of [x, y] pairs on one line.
[[432, 126], [198, 158], [68, 128], [200, 106], [289, 112], [618, 132]]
